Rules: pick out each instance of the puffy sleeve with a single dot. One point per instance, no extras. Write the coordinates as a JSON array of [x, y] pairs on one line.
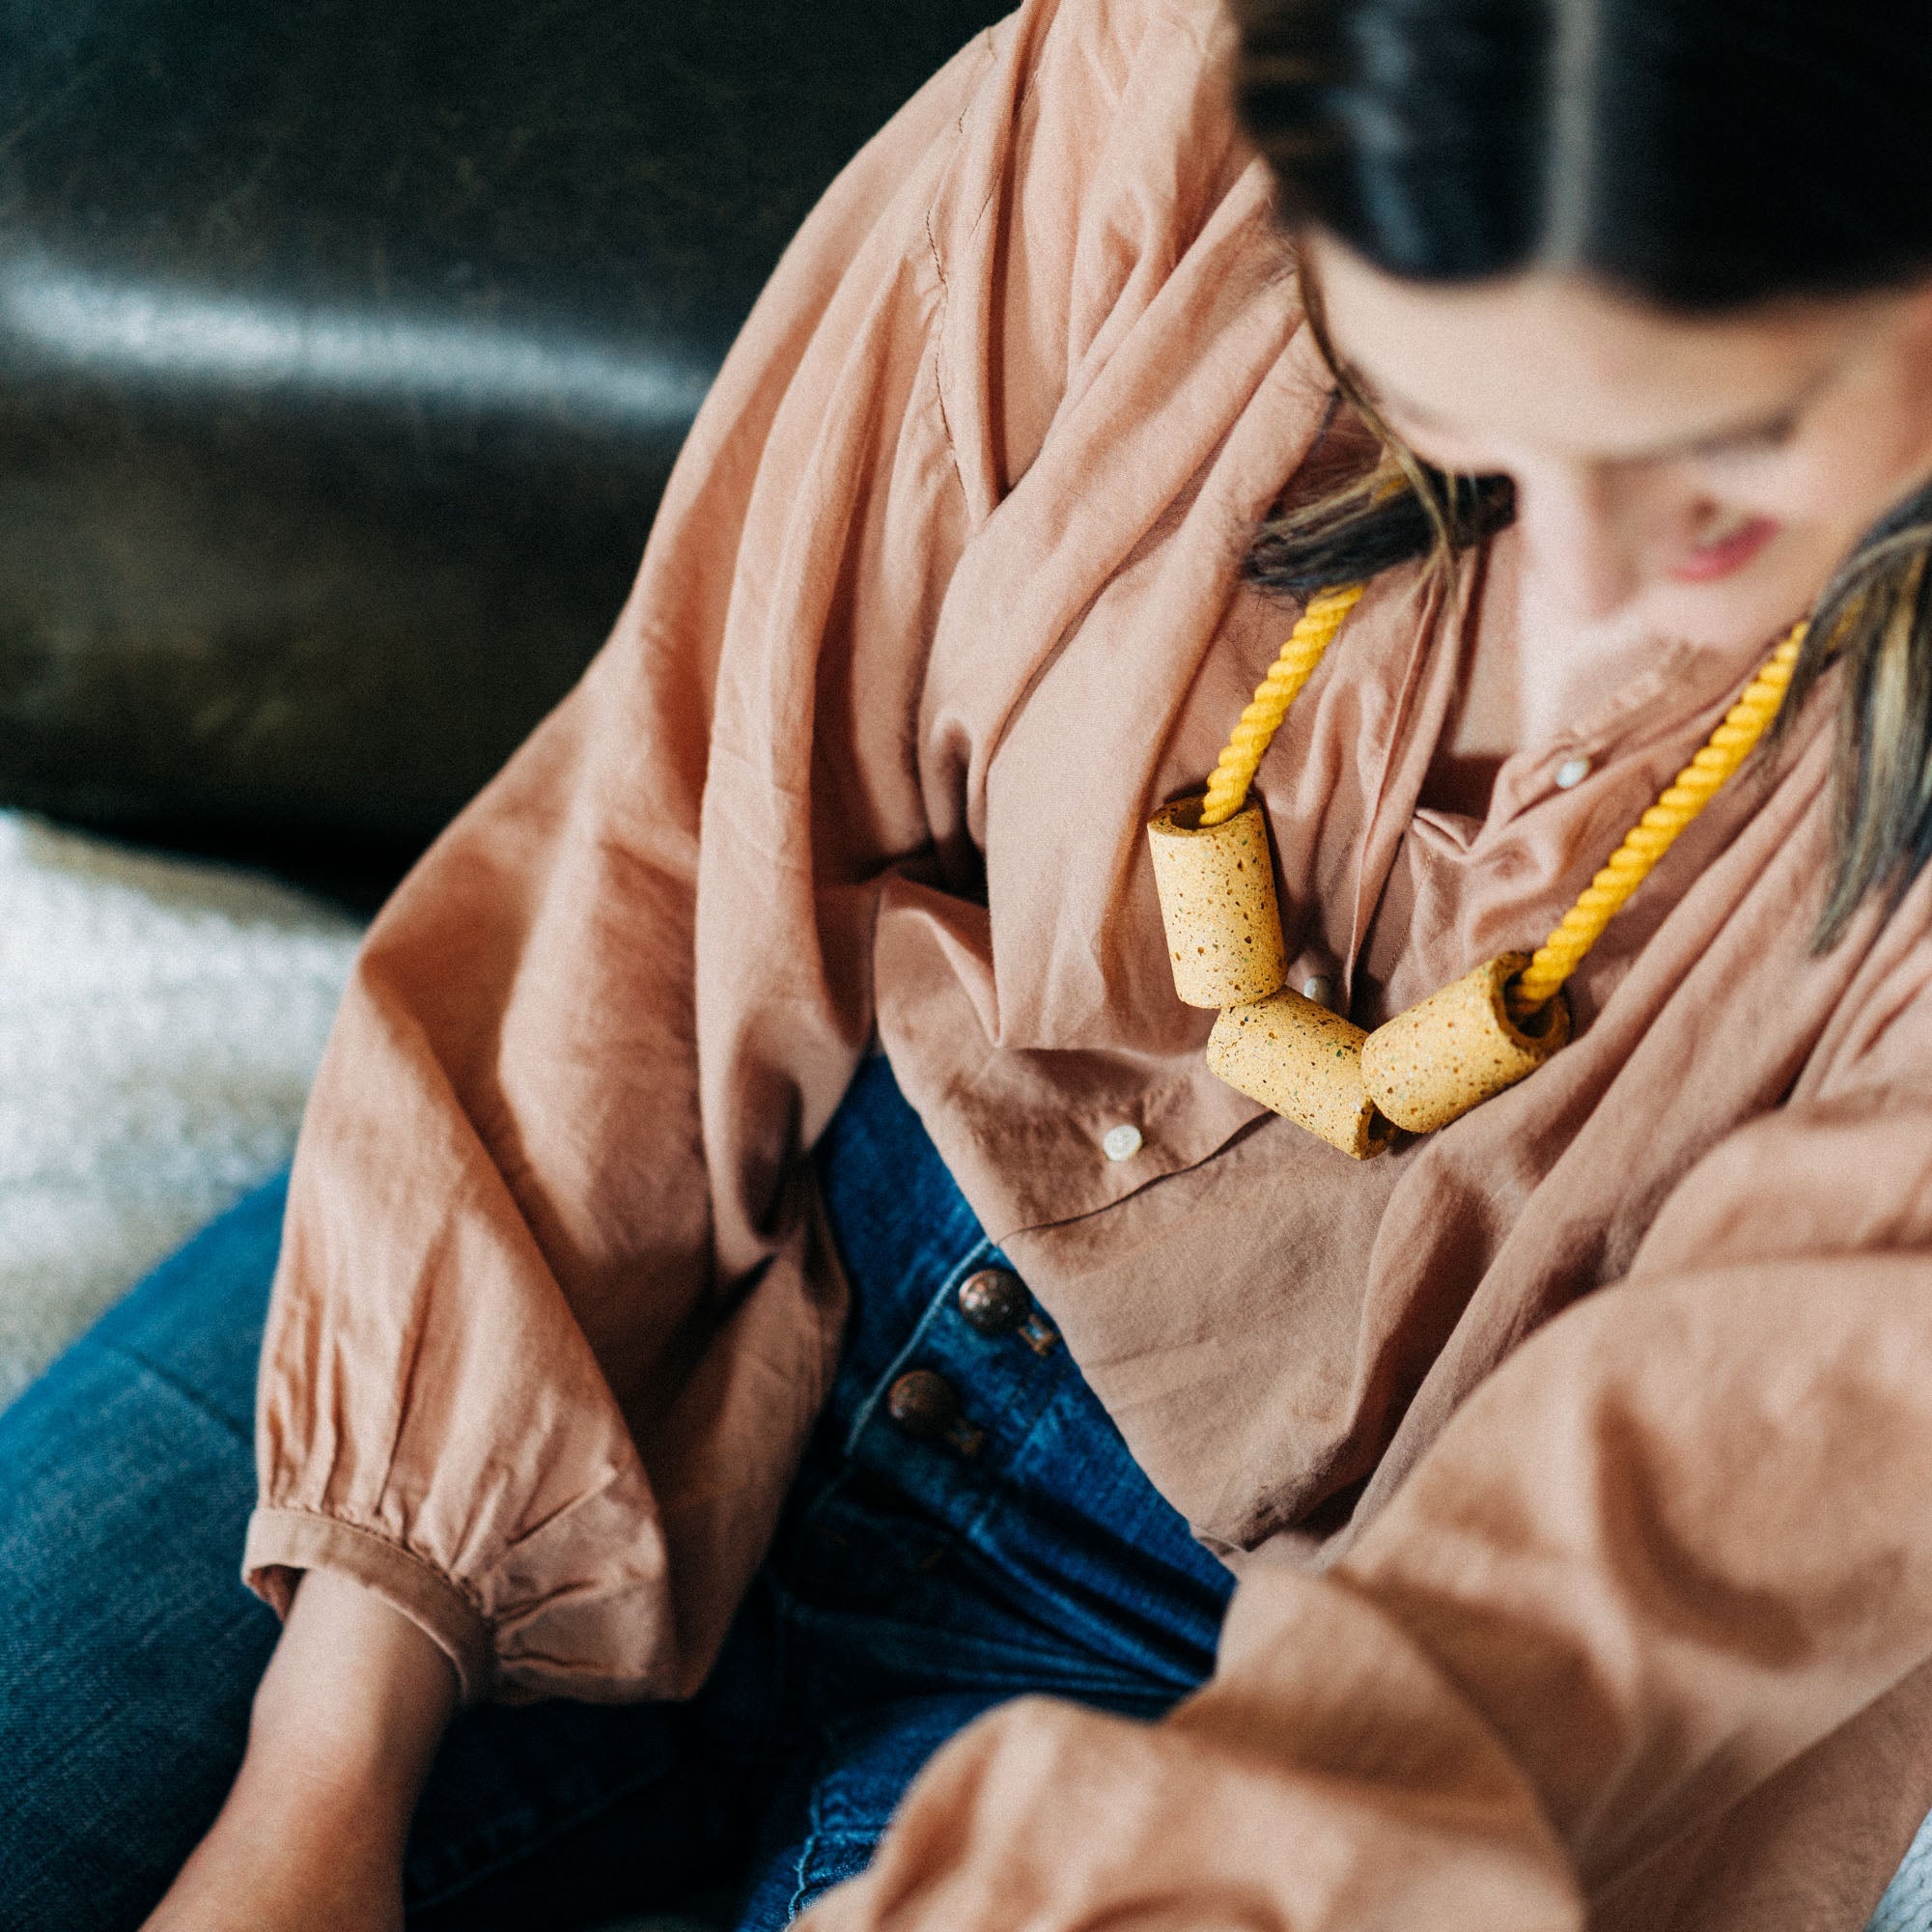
[[1681, 1538], [554, 1313], [550, 1325]]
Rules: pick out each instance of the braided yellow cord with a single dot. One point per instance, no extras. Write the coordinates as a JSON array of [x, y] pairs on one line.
[[1628, 867], [1227, 788], [1654, 835]]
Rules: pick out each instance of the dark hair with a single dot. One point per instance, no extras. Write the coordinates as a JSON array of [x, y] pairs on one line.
[[1699, 155]]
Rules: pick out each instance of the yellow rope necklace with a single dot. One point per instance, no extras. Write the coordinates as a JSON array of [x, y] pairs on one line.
[[1434, 1062]]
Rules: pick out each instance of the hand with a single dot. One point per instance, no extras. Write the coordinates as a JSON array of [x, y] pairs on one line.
[[344, 1729]]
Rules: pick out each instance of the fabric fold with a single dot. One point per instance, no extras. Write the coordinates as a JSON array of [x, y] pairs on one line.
[[1571, 1456]]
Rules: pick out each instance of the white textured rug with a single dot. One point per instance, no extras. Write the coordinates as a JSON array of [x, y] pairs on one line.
[[159, 1023]]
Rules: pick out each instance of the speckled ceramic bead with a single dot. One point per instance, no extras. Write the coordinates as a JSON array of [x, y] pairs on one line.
[[1430, 1065], [1305, 1062], [1217, 905]]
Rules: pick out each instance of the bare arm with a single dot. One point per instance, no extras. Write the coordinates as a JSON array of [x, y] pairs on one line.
[[345, 1726]]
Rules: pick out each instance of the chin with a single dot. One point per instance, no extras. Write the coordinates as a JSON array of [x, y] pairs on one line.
[[1757, 604], [1738, 626]]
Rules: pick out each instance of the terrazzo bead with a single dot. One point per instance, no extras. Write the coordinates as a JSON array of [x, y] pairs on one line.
[[1305, 1063], [1217, 905], [1458, 1047]]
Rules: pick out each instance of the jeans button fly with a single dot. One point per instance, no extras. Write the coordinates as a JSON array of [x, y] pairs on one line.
[[995, 1301]]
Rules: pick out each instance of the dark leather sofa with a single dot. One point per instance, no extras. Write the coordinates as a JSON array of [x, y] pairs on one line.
[[345, 347]]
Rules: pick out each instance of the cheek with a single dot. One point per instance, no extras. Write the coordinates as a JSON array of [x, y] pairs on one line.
[[1843, 486], [1858, 464]]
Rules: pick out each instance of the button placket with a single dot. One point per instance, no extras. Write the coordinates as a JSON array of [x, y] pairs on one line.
[[947, 1386]]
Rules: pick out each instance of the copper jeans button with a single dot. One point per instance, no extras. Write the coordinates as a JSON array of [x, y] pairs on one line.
[[923, 1405], [995, 1301]]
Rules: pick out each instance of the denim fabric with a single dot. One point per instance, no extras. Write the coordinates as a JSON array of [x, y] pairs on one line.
[[912, 1585]]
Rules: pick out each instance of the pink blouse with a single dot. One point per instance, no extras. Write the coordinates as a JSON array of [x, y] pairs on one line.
[[1576, 1461]]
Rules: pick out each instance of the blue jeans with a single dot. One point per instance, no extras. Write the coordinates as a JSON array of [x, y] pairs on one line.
[[977, 1532]]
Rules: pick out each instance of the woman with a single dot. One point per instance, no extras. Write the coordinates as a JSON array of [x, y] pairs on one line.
[[1566, 1467]]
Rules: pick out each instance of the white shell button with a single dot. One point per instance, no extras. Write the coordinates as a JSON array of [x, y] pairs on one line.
[[1572, 771], [1121, 1143], [1320, 989]]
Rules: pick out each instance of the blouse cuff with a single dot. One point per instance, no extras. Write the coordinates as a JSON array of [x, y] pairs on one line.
[[284, 1542]]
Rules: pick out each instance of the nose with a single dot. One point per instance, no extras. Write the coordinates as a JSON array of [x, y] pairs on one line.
[[1581, 539]]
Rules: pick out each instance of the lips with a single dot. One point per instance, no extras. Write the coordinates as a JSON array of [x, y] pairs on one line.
[[1730, 552]]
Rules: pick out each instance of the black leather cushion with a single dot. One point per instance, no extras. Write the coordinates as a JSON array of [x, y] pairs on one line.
[[345, 345]]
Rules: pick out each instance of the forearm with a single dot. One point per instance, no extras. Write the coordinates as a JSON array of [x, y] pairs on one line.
[[355, 1698], [345, 1727]]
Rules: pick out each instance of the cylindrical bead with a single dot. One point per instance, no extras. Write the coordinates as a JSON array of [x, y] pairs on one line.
[[1431, 1064], [1216, 890], [1305, 1062]]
